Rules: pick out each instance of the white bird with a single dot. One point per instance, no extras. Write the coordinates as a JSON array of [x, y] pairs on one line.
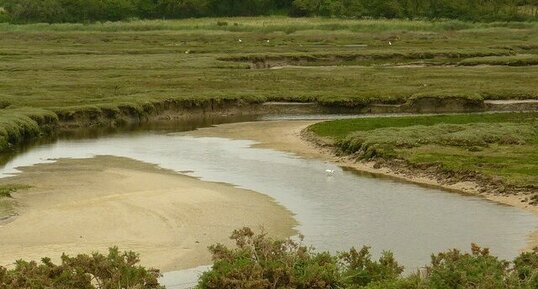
[[329, 172], [390, 43], [268, 40], [240, 40]]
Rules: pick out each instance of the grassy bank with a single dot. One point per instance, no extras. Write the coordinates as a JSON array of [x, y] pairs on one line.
[[500, 146], [83, 73]]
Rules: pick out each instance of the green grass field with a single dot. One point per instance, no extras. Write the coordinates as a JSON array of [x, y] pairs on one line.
[[502, 145], [62, 69]]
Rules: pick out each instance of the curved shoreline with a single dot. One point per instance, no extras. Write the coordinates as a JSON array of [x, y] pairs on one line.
[[289, 136], [83, 205]]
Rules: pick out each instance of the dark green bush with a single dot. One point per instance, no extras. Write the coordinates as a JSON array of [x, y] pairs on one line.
[[111, 10], [260, 262], [95, 271]]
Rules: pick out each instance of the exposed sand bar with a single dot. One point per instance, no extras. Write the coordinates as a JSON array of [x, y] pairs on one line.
[[86, 205], [286, 136]]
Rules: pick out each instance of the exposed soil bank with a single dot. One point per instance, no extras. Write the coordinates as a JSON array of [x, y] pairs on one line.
[[44, 122], [290, 136], [273, 60], [83, 205], [168, 110]]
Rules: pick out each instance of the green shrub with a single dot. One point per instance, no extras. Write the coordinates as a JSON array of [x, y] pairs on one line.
[[95, 271], [261, 262], [359, 270], [454, 269]]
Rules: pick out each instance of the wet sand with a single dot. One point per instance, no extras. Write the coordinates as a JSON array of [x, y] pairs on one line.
[[287, 136], [85, 205]]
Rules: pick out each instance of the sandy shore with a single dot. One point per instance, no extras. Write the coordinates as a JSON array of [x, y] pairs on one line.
[[286, 136], [84, 205]]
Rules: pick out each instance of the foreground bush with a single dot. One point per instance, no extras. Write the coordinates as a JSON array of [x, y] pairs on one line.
[[95, 271], [260, 262]]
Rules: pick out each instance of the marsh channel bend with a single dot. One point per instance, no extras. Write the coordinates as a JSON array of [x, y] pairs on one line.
[[334, 212]]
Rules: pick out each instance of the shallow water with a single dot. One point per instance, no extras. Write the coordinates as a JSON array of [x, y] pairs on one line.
[[335, 211]]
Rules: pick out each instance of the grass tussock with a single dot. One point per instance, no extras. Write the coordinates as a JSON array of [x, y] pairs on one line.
[[258, 261], [7, 189]]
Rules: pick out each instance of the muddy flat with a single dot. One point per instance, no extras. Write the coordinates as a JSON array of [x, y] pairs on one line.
[[84, 205], [282, 135]]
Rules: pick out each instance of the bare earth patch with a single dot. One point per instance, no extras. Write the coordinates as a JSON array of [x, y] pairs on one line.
[[83, 205]]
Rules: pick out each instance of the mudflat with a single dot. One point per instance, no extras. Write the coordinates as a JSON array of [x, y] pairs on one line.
[[85, 205]]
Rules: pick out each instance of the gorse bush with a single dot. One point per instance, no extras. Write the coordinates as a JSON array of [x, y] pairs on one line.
[[260, 262], [95, 271]]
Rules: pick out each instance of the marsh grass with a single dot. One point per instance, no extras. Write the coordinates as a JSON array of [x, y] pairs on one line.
[[498, 145], [7, 189], [55, 72], [7, 203], [512, 60], [339, 129], [18, 125]]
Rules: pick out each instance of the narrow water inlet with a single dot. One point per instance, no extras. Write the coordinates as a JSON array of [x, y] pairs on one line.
[[335, 211]]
